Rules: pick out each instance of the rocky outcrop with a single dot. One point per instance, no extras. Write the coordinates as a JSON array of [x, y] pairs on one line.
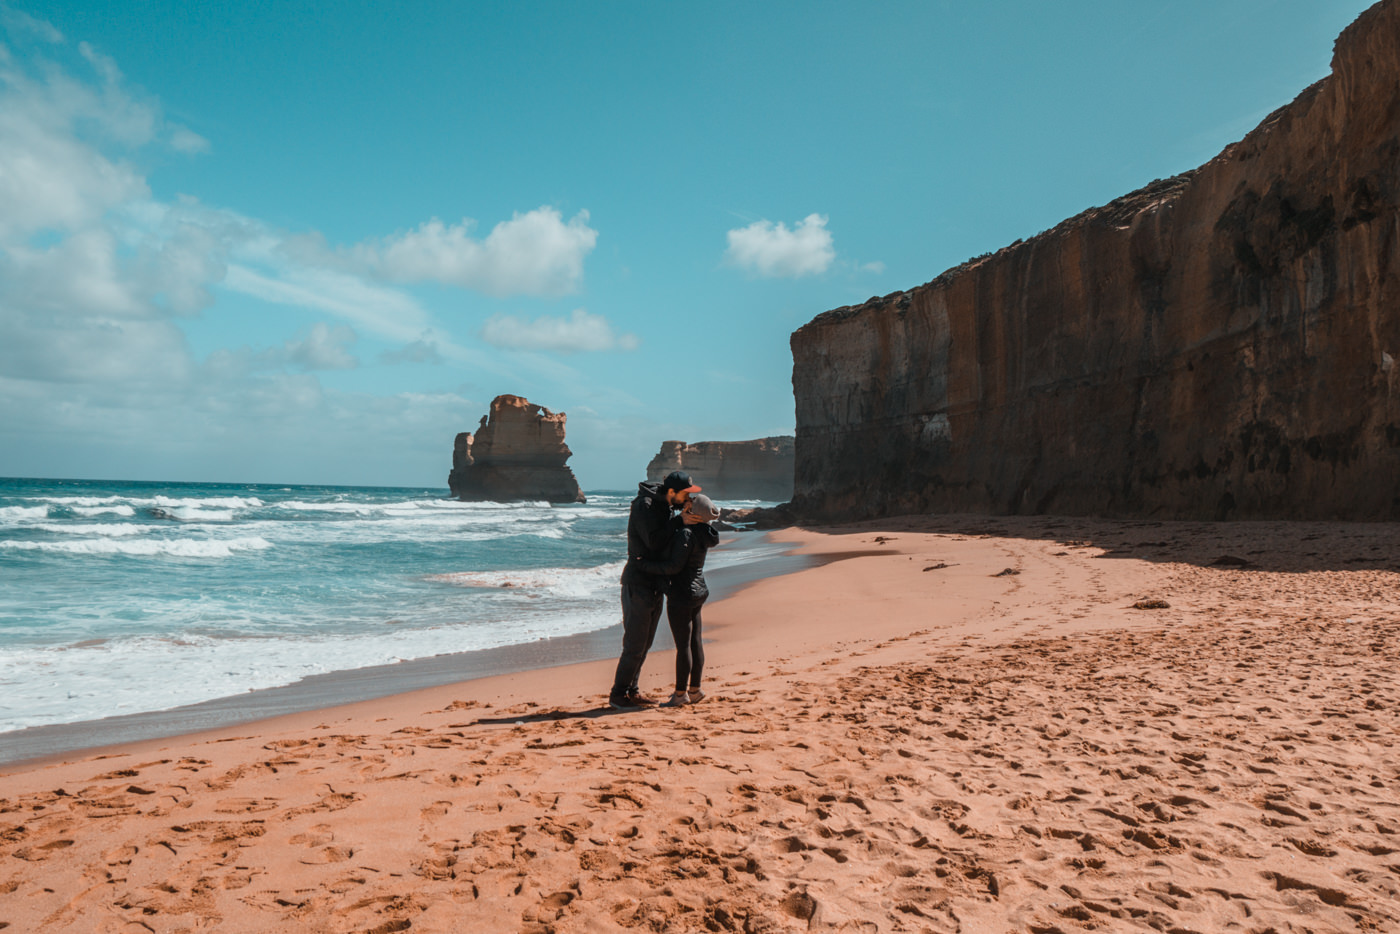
[[517, 453], [1217, 345], [728, 470]]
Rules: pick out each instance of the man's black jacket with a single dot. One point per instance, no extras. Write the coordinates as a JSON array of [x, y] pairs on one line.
[[648, 534]]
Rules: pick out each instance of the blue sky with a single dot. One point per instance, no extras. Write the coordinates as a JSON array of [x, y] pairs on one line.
[[310, 242]]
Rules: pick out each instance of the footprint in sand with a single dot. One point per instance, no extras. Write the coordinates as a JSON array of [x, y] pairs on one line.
[[319, 835], [435, 811], [328, 854], [120, 855], [34, 854], [244, 805]]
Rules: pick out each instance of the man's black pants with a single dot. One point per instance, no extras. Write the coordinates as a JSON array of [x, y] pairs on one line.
[[641, 611]]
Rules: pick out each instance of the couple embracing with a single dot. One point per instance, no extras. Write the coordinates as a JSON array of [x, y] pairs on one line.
[[669, 532]]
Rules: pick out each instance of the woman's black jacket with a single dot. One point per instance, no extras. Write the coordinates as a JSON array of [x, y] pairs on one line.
[[685, 561]]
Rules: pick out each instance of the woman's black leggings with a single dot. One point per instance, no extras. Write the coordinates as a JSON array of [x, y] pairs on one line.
[[690, 652]]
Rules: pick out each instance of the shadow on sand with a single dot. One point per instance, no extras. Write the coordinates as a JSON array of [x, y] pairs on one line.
[[1288, 547]]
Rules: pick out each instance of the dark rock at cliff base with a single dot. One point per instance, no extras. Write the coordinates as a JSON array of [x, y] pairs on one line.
[[728, 470], [518, 453], [1218, 345], [758, 519]]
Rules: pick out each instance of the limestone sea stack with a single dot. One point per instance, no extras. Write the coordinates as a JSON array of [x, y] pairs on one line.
[[728, 470], [517, 453], [1221, 344]]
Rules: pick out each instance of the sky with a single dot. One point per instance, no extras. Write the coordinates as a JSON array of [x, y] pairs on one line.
[[310, 242]]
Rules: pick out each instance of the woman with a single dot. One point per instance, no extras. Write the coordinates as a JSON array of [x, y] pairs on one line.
[[692, 536]]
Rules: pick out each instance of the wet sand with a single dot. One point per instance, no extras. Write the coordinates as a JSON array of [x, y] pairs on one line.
[[988, 725]]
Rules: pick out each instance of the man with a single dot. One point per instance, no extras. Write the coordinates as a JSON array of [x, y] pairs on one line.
[[648, 534]]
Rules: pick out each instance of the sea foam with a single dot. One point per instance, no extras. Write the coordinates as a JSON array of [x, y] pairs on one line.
[[178, 548], [90, 511], [107, 530], [192, 514], [575, 582], [20, 513]]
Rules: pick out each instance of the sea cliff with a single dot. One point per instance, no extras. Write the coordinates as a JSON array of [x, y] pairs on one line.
[[1220, 344], [517, 453], [728, 470]]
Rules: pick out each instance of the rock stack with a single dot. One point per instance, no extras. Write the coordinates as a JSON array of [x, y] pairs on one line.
[[729, 470], [517, 453]]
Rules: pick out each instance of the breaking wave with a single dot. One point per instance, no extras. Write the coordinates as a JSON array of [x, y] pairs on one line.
[[20, 513], [90, 511]]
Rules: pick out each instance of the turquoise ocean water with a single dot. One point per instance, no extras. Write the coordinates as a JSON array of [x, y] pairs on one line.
[[124, 597]]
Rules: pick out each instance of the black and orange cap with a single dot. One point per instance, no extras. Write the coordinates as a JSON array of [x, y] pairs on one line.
[[679, 481]]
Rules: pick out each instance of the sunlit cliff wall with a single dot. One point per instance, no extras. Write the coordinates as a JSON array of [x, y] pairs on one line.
[[1217, 345]]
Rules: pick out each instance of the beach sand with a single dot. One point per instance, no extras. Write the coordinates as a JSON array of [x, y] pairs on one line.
[[968, 724]]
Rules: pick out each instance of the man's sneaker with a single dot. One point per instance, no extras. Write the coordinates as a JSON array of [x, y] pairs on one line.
[[622, 703], [638, 699]]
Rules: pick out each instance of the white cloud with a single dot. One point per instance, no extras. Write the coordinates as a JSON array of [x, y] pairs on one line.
[[21, 22], [125, 356], [49, 178], [117, 108], [773, 251], [535, 253], [102, 64], [324, 348], [579, 332], [383, 312], [419, 351], [80, 276], [188, 141], [180, 264]]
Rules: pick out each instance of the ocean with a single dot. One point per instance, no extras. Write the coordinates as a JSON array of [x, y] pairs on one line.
[[120, 598]]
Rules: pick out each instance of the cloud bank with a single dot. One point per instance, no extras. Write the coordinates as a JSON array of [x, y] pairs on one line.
[[99, 279]]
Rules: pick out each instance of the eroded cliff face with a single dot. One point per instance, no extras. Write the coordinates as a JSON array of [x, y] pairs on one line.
[[1217, 345], [728, 470], [518, 453]]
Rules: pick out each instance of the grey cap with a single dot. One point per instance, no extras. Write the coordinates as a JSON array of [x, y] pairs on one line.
[[702, 507]]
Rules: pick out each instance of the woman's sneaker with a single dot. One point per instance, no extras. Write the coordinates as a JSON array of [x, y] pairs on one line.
[[694, 696], [677, 699]]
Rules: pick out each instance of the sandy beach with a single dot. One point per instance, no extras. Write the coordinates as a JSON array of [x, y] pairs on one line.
[[966, 724]]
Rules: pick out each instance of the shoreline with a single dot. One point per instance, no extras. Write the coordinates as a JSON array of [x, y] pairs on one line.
[[798, 550], [968, 723], [57, 742]]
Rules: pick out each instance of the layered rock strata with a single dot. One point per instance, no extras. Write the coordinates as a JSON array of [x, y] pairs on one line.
[[1217, 345], [517, 453], [728, 470]]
